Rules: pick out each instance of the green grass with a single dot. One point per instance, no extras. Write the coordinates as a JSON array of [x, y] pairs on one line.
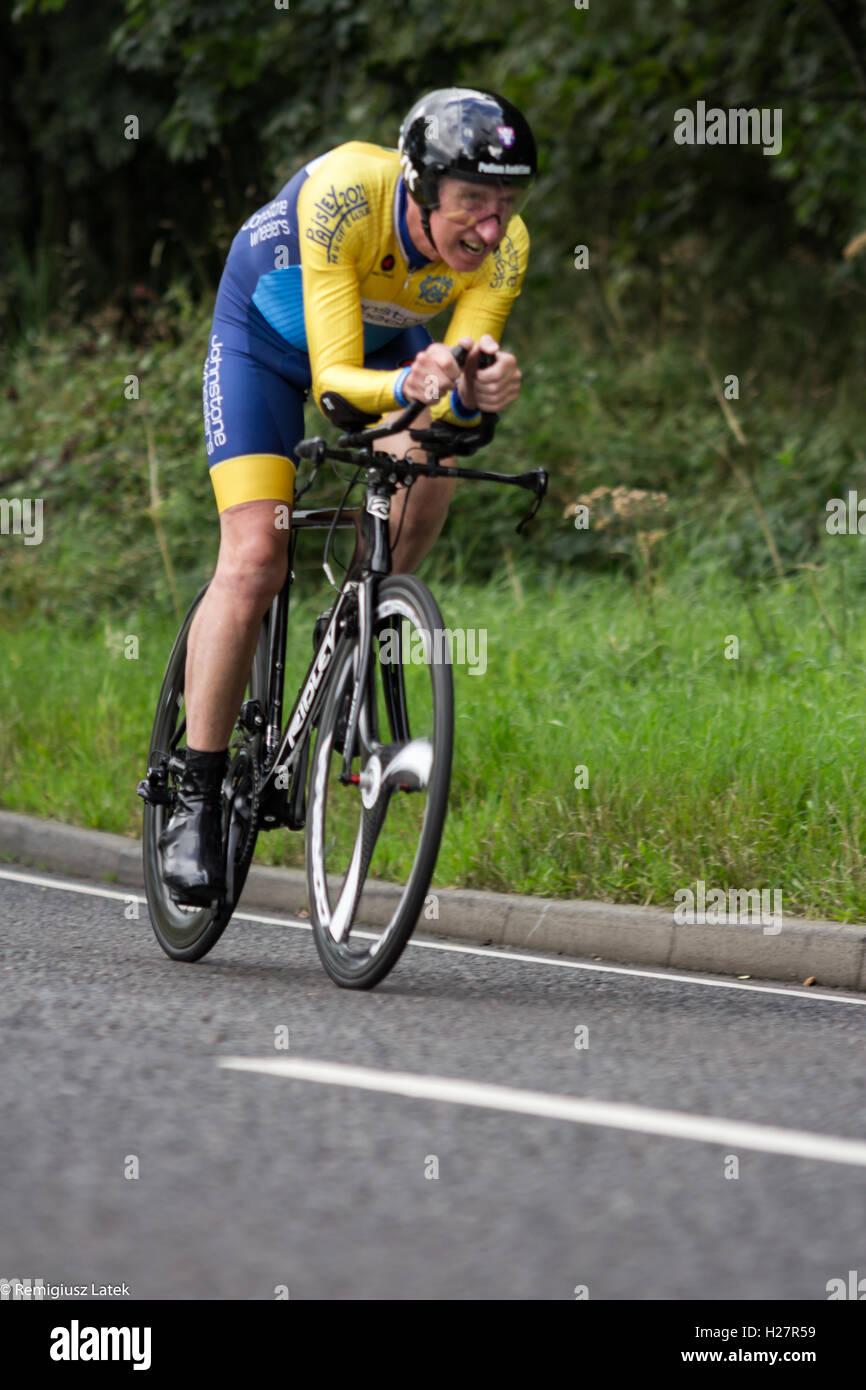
[[745, 773]]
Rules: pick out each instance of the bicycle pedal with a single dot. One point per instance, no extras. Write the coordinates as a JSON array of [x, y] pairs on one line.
[[153, 789], [193, 906]]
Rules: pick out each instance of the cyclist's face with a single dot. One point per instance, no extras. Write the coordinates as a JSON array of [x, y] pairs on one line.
[[470, 220]]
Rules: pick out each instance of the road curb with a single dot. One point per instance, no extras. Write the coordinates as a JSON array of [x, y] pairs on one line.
[[832, 953]]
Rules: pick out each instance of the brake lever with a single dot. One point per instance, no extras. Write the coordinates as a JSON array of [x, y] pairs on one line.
[[310, 449], [541, 480]]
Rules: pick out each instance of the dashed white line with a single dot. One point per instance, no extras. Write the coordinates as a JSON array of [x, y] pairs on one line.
[[68, 886], [670, 1124]]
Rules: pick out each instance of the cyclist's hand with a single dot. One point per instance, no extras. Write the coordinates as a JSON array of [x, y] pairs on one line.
[[434, 372], [489, 388]]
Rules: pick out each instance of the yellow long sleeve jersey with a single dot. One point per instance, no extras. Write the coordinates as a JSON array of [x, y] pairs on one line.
[[350, 280]]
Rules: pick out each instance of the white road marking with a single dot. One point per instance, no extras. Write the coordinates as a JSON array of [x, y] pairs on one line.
[[671, 1124], [66, 886], [505, 953]]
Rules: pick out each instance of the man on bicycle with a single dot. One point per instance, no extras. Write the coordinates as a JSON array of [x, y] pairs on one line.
[[327, 288]]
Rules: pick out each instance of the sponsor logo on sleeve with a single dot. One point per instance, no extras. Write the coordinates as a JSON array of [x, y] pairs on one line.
[[333, 213], [266, 214], [506, 265]]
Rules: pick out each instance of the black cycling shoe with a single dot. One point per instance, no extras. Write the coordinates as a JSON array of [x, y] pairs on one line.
[[192, 842]]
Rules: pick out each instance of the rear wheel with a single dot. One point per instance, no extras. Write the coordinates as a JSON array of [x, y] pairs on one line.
[[188, 933], [386, 826]]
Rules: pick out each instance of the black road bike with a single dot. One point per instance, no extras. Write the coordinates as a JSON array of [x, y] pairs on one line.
[[364, 759]]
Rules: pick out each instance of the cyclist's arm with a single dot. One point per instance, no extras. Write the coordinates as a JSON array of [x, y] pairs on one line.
[[334, 235]]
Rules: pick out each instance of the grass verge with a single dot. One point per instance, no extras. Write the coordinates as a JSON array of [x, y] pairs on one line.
[[609, 749]]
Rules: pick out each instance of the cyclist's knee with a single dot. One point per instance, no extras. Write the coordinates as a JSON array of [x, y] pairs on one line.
[[253, 552]]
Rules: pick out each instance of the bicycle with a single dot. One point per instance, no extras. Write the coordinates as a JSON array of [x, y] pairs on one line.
[[374, 695]]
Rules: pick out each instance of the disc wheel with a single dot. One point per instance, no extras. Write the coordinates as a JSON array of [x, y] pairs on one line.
[[385, 827]]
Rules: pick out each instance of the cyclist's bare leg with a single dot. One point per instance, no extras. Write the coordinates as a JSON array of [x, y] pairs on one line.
[[425, 503], [250, 571]]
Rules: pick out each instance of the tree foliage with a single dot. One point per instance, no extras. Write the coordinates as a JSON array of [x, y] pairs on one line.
[[231, 97]]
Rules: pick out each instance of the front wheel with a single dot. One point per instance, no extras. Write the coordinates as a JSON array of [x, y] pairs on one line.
[[385, 826], [188, 933]]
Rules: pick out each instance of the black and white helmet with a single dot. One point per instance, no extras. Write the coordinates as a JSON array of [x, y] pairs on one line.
[[467, 134]]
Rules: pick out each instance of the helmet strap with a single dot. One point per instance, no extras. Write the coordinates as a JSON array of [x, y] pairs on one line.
[[425, 223]]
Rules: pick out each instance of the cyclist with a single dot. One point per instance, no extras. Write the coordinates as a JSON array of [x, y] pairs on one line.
[[327, 288]]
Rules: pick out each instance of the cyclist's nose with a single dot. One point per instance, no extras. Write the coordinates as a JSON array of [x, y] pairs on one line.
[[489, 229]]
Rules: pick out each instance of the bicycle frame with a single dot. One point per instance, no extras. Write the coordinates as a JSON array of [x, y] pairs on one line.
[[285, 757]]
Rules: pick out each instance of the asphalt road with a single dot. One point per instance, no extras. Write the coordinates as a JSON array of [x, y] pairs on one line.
[[251, 1183]]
